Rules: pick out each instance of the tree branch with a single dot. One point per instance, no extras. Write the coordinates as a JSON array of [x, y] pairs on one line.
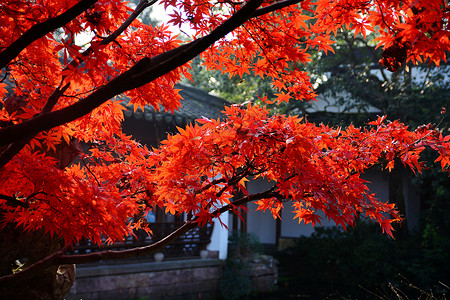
[[59, 258], [143, 4], [41, 29], [58, 92], [144, 71], [12, 201], [274, 7], [16, 146], [249, 198], [128, 253], [11, 150]]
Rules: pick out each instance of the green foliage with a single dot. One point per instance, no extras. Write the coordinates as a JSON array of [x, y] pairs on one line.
[[234, 89], [244, 245], [146, 16], [434, 236], [353, 69], [236, 282]]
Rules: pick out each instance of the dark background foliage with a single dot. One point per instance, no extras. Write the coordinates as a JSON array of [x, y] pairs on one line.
[[361, 262]]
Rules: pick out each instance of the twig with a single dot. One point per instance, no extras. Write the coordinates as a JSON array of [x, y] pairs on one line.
[[14, 201]]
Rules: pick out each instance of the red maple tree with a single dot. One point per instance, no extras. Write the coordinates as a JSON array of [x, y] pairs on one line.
[[58, 105]]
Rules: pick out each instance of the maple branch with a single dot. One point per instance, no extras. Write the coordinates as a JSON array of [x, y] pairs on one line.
[[39, 30], [144, 71], [128, 253], [58, 92], [143, 4], [16, 146], [89, 170], [14, 201], [211, 184], [10, 151], [59, 258], [249, 198], [54, 96], [273, 7], [229, 182], [382, 17]]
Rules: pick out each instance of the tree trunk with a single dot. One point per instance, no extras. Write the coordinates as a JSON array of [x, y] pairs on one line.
[[18, 247]]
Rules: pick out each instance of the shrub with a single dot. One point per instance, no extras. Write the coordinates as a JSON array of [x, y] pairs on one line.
[[236, 282], [351, 263]]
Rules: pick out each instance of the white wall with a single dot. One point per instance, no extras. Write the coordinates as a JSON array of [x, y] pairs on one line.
[[264, 225], [291, 228], [378, 183], [219, 237], [259, 223]]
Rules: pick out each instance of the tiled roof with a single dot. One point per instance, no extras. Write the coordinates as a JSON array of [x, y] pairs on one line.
[[195, 104]]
